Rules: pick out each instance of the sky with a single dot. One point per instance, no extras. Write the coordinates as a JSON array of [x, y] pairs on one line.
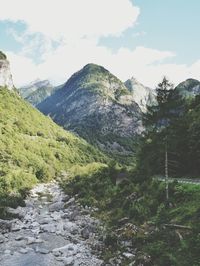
[[146, 39]]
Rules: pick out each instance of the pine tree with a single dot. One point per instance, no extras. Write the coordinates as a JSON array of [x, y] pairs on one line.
[[157, 121]]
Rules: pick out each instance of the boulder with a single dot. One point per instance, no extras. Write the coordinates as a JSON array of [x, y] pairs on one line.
[[57, 206], [19, 212], [5, 226]]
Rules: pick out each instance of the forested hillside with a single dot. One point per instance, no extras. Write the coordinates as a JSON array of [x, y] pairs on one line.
[[33, 148]]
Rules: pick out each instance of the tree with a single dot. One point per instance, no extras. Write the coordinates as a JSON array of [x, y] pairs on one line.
[[157, 120]]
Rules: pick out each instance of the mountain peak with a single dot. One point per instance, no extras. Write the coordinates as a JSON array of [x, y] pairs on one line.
[[97, 106], [189, 88], [98, 80], [92, 66]]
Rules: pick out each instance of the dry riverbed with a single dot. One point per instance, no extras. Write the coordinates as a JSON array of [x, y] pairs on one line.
[[51, 230]]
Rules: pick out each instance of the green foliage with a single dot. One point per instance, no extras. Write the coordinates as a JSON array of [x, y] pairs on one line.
[[33, 148], [142, 203], [173, 122]]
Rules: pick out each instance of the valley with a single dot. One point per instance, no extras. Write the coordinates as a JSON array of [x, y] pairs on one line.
[[78, 177]]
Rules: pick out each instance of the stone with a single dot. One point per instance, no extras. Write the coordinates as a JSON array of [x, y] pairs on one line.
[[18, 212], [73, 215], [18, 238], [70, 202], [5, 226], [45, 220], [2, 239], [31, 240], [35, 224], [65, 215], [50, 228], [87, 230], [68, 261], [42, 250], [56, 253], [23, 251], [85, 233], [128, 255], [65, 198], [70, 247], [7, 252], [56, 206]]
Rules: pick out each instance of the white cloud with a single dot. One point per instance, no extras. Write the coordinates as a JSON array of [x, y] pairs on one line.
[[147, 65], [76, 26], [72, 19], [23, 69]]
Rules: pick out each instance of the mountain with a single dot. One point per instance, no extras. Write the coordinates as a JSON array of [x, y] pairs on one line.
[[37, 91], [5, 74], [97, 106], [142, 95], [189, 88]]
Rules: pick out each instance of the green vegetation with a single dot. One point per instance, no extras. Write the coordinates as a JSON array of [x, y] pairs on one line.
[[173, 123], [33, 148], [135, 211], [2, 56]]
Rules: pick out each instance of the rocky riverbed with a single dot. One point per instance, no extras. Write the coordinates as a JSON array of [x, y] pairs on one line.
[[51, 230]]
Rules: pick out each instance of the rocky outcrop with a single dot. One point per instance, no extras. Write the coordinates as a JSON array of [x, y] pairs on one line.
[[5, 73], [97, 106], [142, 95]]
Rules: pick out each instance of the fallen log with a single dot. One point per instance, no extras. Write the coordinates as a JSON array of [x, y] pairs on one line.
[[178, 226]]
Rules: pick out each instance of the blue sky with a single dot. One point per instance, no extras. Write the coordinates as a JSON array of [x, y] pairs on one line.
[[141, 38], [166, 25]]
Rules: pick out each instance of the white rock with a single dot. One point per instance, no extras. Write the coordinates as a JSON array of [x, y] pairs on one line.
[[69, 261], [128, 255], [5, 75]]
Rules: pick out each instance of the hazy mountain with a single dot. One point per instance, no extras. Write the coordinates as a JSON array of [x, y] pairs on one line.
[[37, 91]]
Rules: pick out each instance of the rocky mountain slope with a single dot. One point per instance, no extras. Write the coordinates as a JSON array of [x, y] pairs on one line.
[[5, 74], [142, 95], [37, 91], [189, 88], [97, 106]]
